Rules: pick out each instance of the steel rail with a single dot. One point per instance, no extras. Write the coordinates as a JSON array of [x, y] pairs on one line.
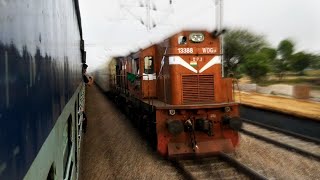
[[281, 144], [303, 127], [290, 133], [248, 171], [181, 169], [245, 170]]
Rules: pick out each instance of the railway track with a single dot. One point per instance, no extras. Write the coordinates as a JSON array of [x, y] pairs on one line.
[[222, 166], [303, 145], [286, 122]]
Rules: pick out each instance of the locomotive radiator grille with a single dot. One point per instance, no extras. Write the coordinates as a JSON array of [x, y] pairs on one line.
[[197, 89]]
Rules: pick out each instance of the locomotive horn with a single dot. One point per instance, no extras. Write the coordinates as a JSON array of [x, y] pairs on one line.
[[214, 33], [217, 33]]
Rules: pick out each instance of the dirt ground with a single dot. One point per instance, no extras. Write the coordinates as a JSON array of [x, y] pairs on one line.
[[304, 108], [112, 148]]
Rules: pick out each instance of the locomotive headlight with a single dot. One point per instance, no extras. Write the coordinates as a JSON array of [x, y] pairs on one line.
[[234, 122], [196, 37], [175, 127], [172, 112]]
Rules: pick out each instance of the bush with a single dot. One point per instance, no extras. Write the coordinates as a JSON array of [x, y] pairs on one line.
[[256, 66]]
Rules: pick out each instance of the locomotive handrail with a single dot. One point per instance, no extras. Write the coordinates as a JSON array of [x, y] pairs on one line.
[[164, 88], [120, 85], [148, 80], [119, 82]]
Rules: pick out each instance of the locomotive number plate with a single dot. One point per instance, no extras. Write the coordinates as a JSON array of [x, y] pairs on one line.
[[194, 50], [185, 50]]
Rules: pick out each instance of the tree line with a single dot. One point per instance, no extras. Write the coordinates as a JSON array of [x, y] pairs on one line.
[[248, 53]]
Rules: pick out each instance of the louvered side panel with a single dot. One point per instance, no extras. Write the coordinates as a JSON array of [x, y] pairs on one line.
[[206, 88], [197, 89], [190, 91]]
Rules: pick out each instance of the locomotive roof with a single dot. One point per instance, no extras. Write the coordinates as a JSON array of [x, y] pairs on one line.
[[135, 53]]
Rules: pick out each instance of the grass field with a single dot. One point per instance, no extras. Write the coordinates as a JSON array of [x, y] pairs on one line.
[[311, 77]]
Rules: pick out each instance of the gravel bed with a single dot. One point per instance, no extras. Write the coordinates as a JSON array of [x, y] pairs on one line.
[[275, 162], [112, 148]]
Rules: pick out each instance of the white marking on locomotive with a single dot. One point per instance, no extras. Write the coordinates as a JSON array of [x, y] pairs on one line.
[[213, 61], [197, 59], [149, 76], [178, 60], [185, 50], [209, 50]]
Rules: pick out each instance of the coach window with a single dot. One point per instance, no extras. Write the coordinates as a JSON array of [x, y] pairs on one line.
[[148, 65]]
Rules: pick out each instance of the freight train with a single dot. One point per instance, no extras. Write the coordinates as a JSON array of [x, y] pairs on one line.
[[175, 93], [41, 89]]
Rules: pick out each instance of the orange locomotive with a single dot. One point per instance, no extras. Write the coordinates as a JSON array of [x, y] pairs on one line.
[[176, 95]]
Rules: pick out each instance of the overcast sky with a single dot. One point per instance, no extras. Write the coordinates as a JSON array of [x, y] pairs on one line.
[[113, 27]]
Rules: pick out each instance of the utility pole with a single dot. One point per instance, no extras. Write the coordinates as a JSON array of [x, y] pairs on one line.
[[148, 18], [219, 5], [219, 18]]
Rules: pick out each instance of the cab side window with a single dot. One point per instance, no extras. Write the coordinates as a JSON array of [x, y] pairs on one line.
[[182, 40], [148, 65]]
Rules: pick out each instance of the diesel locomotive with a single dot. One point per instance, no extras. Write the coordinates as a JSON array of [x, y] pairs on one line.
[[175, 93]]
